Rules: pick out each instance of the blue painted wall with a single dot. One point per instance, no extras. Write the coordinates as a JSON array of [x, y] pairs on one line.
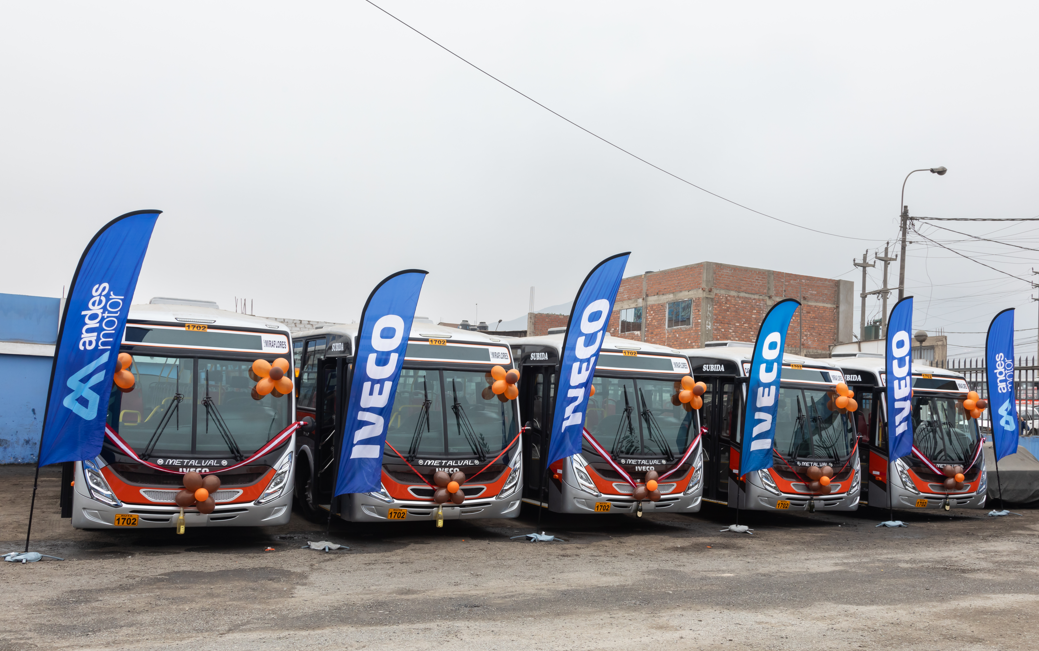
[[29, 319], [25, 381]]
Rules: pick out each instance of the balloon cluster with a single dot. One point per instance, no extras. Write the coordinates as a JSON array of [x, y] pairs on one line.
[[198, 492], [270, 378], [123, 378], [953, 477], [974, 405], [449, 487], [501, 383], [689, 393], [819, 479], [842, 399], [649, 491]]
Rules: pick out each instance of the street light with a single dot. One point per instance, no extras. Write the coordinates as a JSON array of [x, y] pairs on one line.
[[940, 171]]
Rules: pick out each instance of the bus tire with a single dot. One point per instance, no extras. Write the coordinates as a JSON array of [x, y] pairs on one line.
[[304, 491]]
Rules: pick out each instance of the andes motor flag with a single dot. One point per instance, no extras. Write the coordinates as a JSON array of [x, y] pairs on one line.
[[382, 339], [585, 331], [766, 368], [91, 331], [899, 367], [999, 361]]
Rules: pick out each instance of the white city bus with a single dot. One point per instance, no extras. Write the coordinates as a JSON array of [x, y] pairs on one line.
[[943, 435], [191, 409], [808, 434], [634, 426], [444, 420]]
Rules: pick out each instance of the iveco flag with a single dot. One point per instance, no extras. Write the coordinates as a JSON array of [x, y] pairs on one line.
[[382, 340], [900, 380], [585, 331], [766, 368], [89, 337], [999, 358]]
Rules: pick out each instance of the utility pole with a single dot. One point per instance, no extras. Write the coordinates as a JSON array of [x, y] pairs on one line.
[[1036, 299], [862, 294], [902, 264], [901, 288]]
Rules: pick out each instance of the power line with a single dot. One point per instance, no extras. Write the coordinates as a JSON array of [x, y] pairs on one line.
[[611, 144], [979, 219], [984, 239], [969, 258]]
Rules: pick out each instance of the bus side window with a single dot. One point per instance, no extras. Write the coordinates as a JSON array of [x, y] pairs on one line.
[[308, 377], [297, 360]]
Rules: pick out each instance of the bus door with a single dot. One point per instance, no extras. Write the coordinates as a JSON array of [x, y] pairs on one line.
[[326, 419], [718, 417], [536, 399]]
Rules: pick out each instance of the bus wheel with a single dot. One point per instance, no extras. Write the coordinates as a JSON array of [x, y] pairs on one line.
[[304, 492]]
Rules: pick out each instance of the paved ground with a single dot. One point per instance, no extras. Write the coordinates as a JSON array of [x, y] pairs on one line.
[[804, 582]]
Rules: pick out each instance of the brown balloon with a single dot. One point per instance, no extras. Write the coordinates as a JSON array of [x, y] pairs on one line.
[[441, 479], [253, 376], [654, 496], [960, 486], [641, 493], [503, 398], [825, 490], [959, 469], [981, 404], [184, 498], [487, 394], [255, 395], [675, 401], [441, 495], [512, 376], [949, 483], [652, 475], [192, 481], [457, 498], [208, 506], [815, 486], [211, 483], [276, 373], [275, 393], [458, 477], [948, 471], [814, 473], [687, 406], [827, 471]]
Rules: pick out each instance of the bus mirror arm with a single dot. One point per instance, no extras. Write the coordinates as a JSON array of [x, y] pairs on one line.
[[308, 425]]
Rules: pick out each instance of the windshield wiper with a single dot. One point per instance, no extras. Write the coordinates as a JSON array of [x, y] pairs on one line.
[[799, 427], [171, 409], [423, 417], [632, 448], [221, 426], [651, 422], [465, 427]]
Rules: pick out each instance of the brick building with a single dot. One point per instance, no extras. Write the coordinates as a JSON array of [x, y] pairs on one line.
[[709, 301]]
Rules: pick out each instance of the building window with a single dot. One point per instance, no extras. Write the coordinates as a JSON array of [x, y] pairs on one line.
[[679, 313], [631, 320]]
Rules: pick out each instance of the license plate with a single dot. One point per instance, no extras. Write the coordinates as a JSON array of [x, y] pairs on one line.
[[921, 504], [397, 514], [783, 504], [602, 507], [122, 520]]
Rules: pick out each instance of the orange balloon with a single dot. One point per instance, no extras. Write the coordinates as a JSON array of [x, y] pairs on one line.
[[685, 396], [841, 402], [284, 385], [511, 392], [499, 387], [969, 405], [124, 379], [824, 480], [852, 404], [700, 388], [976, 413], [452, 487], [283, 364], [959, 477], [850, 394], [201, 495], [264, 386], [498, 373], [512, 376], [842, 389], [262, 368], [688, 383], [591, 391], [973, 395], [124, 361], [651, 484], [696, 402]]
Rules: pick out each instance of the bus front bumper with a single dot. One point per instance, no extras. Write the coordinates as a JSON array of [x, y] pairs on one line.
[[575, 500], [762, 500], [361, 507], [907, 500]]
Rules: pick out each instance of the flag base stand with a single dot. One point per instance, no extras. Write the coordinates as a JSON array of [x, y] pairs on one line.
[[892, 523], [996, 514], [738, 528], [538, 537], [27, 557]]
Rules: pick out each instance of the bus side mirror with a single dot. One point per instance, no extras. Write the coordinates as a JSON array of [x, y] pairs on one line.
[[308, 425]]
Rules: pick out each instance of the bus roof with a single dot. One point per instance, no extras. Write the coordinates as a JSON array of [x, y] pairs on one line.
[[419, 330], [443, 344], [168, 313], [609, 344], [875, 365], [734, 359]]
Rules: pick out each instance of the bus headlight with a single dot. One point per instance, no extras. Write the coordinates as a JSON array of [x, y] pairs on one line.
[[515, 470], [577, 464], [97, 486], [983, 485], [280, 481], [382, 495], [769, 484], [856, 474], [694, 481], [903, 474]]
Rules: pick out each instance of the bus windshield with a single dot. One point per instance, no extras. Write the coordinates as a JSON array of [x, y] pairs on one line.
[[437, 413], [941, 429], [806, 428], [189, 405], [638, 417]]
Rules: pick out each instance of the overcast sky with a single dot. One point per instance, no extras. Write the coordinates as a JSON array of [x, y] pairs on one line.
[[302, 152]]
